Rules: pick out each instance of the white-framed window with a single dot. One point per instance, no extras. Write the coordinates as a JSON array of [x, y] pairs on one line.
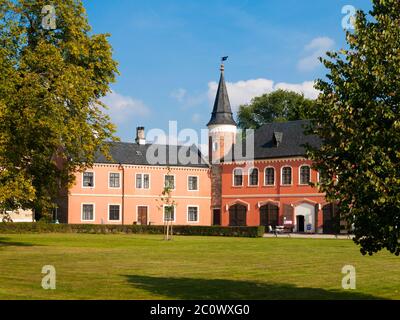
[[305, 175], [193, 183], [269, 176], [286, 176], [114, 180], [142, 181], [169, 181], [193, 214], [169, 213], [88, 179], [114, 212], [238, 177], [87, 212], [253, 177]]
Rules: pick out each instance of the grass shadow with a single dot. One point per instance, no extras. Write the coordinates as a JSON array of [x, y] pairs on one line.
[[220, 289], [6, 242]]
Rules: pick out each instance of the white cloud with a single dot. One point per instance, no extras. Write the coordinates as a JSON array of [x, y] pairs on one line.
[[242, 92], [179, 94], [124, 108], [306, 88], [313, 50]]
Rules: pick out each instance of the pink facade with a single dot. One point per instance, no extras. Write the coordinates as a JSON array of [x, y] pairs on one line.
[[132, 201]]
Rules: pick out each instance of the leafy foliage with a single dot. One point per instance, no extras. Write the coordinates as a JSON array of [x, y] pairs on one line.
[[278, 106], [51, 117], [358, 117]]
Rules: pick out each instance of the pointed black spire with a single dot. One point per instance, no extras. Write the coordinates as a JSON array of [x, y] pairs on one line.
[[222, 112]]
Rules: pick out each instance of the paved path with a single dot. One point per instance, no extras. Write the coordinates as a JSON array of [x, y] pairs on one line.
[[309, 236]]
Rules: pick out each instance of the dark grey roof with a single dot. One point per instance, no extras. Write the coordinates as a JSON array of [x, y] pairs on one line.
[[153, 154], [293, 140], [222, 112]]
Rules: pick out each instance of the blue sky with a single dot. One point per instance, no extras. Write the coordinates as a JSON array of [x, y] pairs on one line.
[[169, 53]]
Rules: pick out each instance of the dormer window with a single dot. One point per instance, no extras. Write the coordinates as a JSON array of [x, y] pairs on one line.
[[278, 138]]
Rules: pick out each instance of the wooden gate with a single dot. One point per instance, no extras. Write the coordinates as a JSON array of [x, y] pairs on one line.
[[237, 215]]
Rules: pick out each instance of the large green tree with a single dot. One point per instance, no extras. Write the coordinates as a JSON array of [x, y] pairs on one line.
[[277, 106], [358, 117], [52, 77]]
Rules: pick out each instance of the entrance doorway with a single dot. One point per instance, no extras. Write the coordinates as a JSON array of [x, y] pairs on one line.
[[306, 220], [217, 217], [237, 215], [300, 223], [142, 215]]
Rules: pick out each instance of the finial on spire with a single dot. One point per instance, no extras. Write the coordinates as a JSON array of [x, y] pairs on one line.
[[222, 111], [223, 59]]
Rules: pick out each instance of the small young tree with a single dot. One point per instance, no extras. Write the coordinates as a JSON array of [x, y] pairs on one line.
[[168, 205]]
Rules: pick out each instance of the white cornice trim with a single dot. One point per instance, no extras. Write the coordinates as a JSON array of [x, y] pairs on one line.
[[161, 167], [222, 128], [134, 196], [274, 195], [266, 160]]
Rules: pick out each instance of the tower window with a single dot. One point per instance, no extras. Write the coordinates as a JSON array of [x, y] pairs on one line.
[[215, 146]]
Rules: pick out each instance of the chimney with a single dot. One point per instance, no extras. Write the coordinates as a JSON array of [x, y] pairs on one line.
[[140, 138]]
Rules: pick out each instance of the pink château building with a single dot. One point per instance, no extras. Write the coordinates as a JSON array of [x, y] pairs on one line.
[[270, 188], [127, 189]]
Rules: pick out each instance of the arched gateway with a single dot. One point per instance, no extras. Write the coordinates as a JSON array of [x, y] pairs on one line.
[[269, 215], [237, 215]]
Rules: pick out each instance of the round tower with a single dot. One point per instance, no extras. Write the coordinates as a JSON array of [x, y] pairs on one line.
[[222, 127], [221, 136]]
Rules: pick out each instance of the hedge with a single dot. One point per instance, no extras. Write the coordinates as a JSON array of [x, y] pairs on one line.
[[11, 228]]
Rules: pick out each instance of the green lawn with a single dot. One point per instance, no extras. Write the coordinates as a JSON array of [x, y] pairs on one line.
[[145, 267]]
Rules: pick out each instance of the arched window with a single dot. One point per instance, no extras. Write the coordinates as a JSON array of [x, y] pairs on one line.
[[305, 175], [238, 177], [253, 177], [269, 176], [286, 175]]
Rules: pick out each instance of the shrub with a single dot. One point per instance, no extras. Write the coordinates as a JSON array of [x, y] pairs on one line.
[[41, 227]]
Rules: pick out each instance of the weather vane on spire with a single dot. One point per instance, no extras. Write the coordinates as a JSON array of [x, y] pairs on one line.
[[223, 59]]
